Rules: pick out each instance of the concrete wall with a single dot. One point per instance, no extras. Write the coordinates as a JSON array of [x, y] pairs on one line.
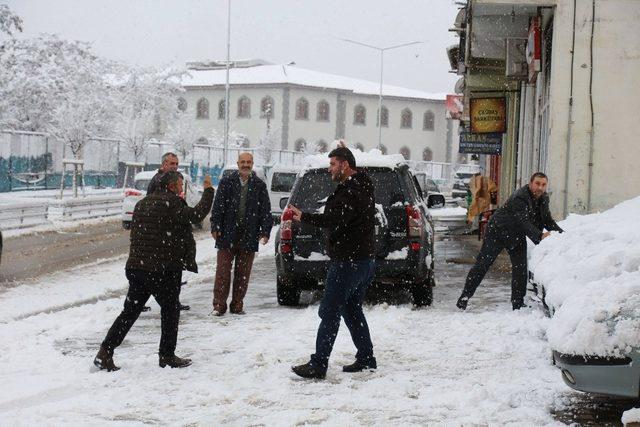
[[616, 89]]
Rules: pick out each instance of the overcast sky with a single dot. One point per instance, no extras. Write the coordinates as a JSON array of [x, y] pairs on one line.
[[161, 32]]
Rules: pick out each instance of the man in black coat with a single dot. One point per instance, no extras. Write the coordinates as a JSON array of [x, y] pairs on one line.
[[170, 162], [525, 214], [162, 245], [241, 216], [349, 216]]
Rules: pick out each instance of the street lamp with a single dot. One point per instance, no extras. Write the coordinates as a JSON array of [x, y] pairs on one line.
[[226, 88], [381, 50]]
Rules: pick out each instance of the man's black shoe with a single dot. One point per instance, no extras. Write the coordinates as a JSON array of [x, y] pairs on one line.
[[185, 307], [308, 371], [358, 366], [462, 303], [519, 305], [104, 360], [174, 362]]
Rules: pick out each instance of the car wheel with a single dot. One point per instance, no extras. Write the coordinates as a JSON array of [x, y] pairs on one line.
[[422, 291], [126, 225], [288, 292]]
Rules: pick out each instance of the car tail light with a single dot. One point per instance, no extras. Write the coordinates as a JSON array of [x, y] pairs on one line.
[[414, 221], [415, 246], [285, 227], [130, 192]]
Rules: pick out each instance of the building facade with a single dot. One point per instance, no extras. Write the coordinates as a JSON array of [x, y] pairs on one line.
[[308, 110], [567, 70]]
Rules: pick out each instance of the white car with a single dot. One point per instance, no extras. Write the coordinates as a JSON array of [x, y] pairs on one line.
[[280, 183], [140, 183]]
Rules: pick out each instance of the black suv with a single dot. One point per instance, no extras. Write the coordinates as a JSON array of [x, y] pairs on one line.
[[404, 234]]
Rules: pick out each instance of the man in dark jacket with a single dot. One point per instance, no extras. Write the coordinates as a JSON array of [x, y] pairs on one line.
[[170, 162], [241, 216], [349, 216], [162, 245], [525, 214]]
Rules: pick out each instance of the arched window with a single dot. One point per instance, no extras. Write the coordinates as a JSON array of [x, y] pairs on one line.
[[266, 107], [428, 122], [302, 109], [359, 115], [359, 146], [244, 107], [322, 146], [300, 145], [384, 117], [427, 155], [182, 104], [323, 111], [406, 119], [406, 152], [221, 109], [202, 109], [382, 148]]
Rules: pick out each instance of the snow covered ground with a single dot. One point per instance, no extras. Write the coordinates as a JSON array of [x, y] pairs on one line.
[[487, 365]]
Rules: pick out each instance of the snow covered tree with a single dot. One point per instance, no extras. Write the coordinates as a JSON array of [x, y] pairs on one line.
[[267, 144], [182, 134], [145, 98], [9, 21], [37, 75]]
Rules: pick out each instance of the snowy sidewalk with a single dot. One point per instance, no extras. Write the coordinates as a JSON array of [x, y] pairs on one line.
[[488, 365]]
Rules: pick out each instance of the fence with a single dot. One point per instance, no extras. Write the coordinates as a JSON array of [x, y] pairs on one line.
[[86, 207], [18, 215]]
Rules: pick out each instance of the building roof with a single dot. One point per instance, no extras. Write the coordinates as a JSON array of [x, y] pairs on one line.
[[270, 74]]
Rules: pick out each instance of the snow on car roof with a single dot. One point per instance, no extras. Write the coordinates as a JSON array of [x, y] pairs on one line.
[[591, 275], [373, 158], [145, 175]]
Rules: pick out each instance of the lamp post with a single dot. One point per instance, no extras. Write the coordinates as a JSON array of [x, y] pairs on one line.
[[226, 88], [381, 50]]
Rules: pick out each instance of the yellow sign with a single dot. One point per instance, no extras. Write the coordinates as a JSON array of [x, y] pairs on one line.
[[488, 115]]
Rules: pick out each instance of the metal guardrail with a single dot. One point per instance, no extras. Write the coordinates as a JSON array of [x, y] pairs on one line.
[[18, 215], [86, 207]]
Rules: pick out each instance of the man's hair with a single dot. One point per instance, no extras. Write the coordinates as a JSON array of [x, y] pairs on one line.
[[166, 155], [344, 154], [169, 178], [538, 175]]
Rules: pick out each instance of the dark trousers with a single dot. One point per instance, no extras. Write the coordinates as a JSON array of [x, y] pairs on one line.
[[495, 240], [345, 287], [165, 288], [242, 272]]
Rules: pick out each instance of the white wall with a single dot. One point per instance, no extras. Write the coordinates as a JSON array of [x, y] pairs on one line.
[[313, 131], [616, 89]]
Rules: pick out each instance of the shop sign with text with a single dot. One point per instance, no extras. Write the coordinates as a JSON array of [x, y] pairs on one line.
[[480, 143], [488, 115]]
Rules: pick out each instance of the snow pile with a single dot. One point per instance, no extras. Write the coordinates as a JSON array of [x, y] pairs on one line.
[[631, 416], [373, 158], [591, 274]]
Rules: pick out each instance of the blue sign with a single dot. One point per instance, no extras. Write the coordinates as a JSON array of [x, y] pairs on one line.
[[480, 143]]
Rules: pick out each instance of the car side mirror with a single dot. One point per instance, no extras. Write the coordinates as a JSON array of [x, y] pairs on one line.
[[283, 202], [435, 201]]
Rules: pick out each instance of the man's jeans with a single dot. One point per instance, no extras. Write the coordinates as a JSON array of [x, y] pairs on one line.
[[345, 288]]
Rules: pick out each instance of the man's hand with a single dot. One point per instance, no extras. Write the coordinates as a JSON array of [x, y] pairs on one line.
[[207, 182], [264, 239], [545, 234], [297, 213], [215, 234]]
